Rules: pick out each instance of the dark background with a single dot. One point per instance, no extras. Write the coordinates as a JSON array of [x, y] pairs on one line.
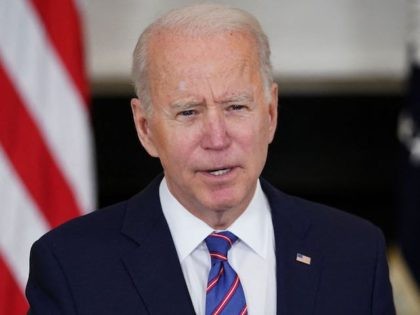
[[340, 150]]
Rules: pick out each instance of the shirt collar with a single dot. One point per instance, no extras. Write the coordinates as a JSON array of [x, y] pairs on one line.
[[252, 227], [186, 239]]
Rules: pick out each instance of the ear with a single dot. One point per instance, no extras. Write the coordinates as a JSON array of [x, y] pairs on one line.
[[142, 122], [272, 112]]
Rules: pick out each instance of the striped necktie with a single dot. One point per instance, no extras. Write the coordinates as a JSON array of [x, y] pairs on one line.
[[224, 290]]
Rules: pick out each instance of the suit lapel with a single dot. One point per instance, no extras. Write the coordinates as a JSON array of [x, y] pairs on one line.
[[154, 266], [296, 281]]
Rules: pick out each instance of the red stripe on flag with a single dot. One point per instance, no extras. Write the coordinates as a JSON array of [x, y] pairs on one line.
[[16, 303], [24, 145], [62, 23]]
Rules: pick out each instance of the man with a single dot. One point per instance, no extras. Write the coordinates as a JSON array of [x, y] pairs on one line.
[[209, 237]]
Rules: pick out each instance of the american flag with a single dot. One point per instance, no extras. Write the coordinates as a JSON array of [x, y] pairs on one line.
[[303, 259], [46, 171]]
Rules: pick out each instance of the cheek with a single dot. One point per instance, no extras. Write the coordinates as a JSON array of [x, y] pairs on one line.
[[255, 134], [265, 127], [177, 146]]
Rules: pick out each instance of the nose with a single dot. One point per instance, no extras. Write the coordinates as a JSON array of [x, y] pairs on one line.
[[215, 133]]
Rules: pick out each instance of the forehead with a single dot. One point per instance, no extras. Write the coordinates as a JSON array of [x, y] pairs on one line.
[[179, 62]]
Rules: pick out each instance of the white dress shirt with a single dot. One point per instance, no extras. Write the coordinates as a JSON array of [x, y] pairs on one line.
[[252, 256]]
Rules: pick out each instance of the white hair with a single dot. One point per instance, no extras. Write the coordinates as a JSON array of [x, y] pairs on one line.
[[199, 20]]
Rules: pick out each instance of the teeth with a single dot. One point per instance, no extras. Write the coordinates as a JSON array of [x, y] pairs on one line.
[[220, 172]]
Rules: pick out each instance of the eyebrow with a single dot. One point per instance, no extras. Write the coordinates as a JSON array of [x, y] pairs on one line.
[[236, 97], [185, 103], [190, 102]]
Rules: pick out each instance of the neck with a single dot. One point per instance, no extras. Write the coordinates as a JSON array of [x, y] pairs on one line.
[[219, 219]]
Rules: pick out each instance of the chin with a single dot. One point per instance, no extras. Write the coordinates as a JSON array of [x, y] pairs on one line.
[[222, 203]]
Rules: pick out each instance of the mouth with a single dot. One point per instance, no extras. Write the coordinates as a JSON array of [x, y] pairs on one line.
[[220, 172]]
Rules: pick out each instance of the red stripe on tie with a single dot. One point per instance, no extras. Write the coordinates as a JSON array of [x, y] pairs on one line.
[[31, 159], [228, 296], [62, 23], [224, 237], [10, 293], [244, 311], [213, 282], [218, 255]]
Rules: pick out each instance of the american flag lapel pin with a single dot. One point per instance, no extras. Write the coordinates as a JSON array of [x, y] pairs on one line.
[[303, 259]]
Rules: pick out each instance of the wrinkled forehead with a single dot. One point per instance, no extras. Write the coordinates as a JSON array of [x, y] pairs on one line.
[[164, 35], [178, 60]]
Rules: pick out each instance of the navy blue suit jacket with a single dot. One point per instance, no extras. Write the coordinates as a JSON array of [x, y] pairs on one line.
[[122, 260]]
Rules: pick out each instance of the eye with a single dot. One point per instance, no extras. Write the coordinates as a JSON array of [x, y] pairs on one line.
[[187, 113], [236, 107]]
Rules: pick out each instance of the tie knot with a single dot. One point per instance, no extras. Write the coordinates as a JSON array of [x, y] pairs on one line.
[[218, 244]]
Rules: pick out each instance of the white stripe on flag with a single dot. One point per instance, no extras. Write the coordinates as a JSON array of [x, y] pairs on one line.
[[49, 97], [21, 222]]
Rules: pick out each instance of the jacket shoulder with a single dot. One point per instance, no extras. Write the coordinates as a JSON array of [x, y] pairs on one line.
[[104, 219], [324, 223]]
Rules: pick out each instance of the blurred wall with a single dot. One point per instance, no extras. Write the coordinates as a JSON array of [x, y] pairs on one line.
[[339, 44]]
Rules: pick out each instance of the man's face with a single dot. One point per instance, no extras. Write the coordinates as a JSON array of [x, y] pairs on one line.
[[211, 123]]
